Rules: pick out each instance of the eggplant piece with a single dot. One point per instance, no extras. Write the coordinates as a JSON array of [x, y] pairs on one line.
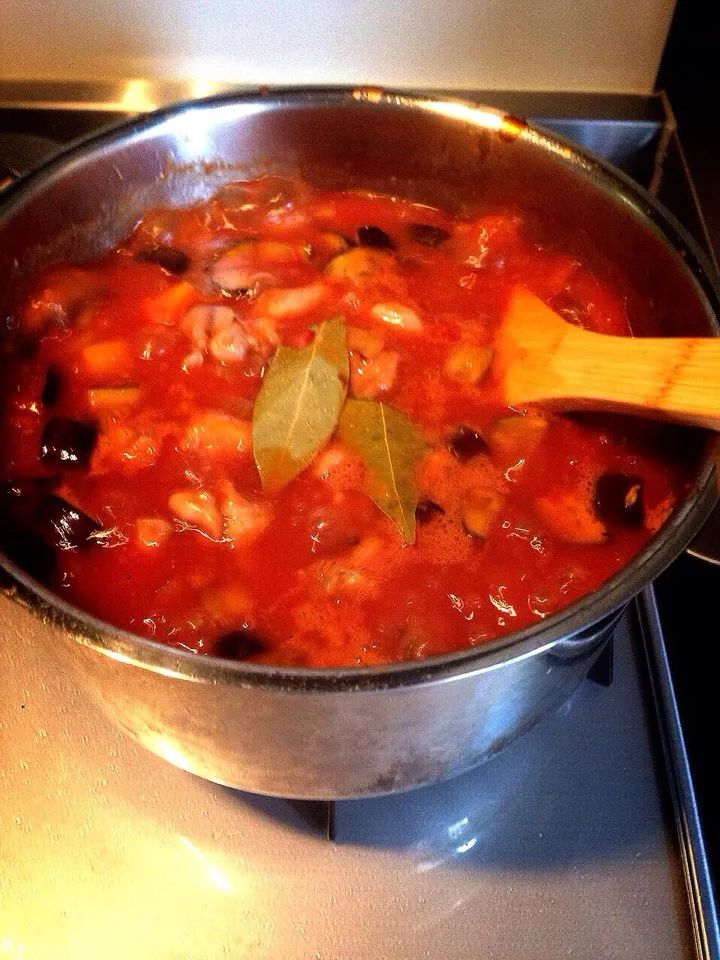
[[53, 385], [64, 526], [68, 443], [239, 645], [426, 510], [619, 499], [24, 347], [466, 443], [370, 236], [169, 258], [427, 235], [30, 552]]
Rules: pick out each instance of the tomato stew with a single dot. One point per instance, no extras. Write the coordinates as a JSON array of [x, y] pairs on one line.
[[267, 428]]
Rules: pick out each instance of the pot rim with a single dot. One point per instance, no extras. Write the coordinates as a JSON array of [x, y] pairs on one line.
[[660, 550]]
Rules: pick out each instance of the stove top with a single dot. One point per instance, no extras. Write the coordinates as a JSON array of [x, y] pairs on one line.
[[584, 839]]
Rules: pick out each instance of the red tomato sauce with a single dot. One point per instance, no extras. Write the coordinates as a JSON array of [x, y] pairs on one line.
[[129, 478]]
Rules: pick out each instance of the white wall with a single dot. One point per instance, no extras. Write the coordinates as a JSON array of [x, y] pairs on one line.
[[601, 45]]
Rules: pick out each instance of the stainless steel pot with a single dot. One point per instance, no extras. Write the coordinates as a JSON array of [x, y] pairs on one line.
[[354, 732]]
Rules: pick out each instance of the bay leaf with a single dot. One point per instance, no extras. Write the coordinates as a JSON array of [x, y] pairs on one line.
[[391, 447], [299, 404]]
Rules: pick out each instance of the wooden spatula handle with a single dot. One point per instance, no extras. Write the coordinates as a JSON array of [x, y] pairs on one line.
[[546, 359]]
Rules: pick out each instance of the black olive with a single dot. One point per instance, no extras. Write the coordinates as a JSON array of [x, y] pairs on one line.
[[170, 259], [426, 510], [51, 390], [238, 645], [428, 235], [619, 499], [30, 552], [466, 443], [63, 525], [68, 443], [373, 237]]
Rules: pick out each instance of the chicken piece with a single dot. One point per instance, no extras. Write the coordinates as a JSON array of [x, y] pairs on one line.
[[518, 436], [468, 363], [243, 521], [397, 315], [197, 510], [292, 301], [215, 432]]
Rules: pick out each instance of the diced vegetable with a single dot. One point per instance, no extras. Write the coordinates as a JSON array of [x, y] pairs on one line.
[[370, 236], [168, 307], [569, 516], [108, 361], [397, 315], [365, 342], [465, 443], [619, 499], [198, 511], [68, 443], [152, 531], [113, 398], [480, 507], [218, 433], [371, 378], [169, 258], [513, 437], [468, 363]]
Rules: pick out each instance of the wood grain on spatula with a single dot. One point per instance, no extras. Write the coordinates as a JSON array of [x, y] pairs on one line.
[[541, 358]]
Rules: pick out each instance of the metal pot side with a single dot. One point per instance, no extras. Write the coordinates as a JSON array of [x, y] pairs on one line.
[[354, 732]]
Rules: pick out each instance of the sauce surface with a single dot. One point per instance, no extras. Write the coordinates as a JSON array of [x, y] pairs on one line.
[[130, 461]]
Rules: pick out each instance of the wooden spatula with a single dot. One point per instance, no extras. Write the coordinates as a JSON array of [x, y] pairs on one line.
[[541, 358]]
